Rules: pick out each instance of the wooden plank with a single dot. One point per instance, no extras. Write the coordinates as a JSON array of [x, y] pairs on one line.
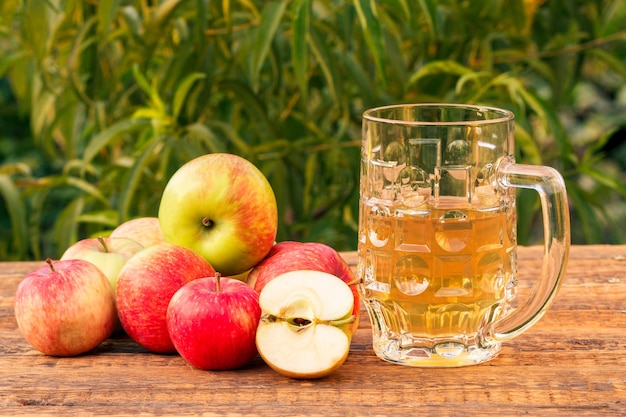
[[572, 362]]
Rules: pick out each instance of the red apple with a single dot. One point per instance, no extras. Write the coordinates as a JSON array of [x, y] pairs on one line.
[[297, 256], [212, 323], [221, 206], [65, 308], [145, 286], [144, 230]]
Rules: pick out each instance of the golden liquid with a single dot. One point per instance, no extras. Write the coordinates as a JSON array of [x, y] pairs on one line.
[[435, 277]]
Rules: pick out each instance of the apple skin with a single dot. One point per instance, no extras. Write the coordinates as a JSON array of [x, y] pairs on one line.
[[213, 325], [222, 207], [65, 308], [144, 230], [145, 286], [109, 254], [290, 256]]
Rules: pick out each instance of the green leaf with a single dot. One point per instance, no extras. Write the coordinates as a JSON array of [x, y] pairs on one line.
[[165, 11], [611, 60], [440, 67], [17, 215], [311, 173], [107, 218], [106, 13], [602, 178], [550, 118], [7, 60], [363, 83], [36, 23], [207, 136], [264, 35], [66, 224], [525, 143], [477, 78], [105, 137], [133, 179], [326, 61], [587, 220], [231, 134], [133, 21], [372, 32], [81, 41], [429, 10], [147, 88], [87, 188], [252, 105], [148, 113], [299, 52], [182, 91]]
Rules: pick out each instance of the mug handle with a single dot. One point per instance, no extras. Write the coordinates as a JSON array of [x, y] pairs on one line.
[[549, 183]]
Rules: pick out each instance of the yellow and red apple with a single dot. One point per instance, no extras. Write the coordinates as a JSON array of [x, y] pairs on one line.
[[222, 207], [65, 308], [144, 230]]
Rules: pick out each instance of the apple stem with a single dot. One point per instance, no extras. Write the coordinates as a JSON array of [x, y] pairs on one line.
[[218, 277], [354, 282], [103, 243], [206, 222], [49, 262]]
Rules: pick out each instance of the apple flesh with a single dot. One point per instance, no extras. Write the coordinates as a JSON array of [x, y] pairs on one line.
[[304, 330], [294, 256], [222, 207], [144, 230], [65, 308], [212, 323], [145, 287]]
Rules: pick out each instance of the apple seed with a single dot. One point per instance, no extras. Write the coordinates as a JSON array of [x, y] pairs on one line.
[[298, 321]]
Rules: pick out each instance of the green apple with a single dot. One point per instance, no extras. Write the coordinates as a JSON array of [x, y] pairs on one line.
[[222, 207], [110, 254]]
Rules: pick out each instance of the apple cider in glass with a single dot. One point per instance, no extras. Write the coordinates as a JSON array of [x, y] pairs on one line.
[[437, 233]]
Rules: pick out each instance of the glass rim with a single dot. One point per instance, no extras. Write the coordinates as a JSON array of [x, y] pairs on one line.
[[505, 115]]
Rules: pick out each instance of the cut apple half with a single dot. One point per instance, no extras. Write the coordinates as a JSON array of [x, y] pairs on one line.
[[304, 330]]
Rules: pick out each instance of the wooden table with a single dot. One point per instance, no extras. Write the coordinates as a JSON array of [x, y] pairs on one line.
[[573, 362]]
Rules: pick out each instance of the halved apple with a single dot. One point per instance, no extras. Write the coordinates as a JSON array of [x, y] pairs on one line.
[[304, 330]]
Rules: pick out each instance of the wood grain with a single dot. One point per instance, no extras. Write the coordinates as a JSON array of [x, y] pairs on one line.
[[573, 362]]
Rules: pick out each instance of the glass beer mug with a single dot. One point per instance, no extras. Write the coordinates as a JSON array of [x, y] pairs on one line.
[[437, 233]]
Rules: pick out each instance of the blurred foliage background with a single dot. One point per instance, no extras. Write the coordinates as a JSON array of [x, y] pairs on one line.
[[101, 101]]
